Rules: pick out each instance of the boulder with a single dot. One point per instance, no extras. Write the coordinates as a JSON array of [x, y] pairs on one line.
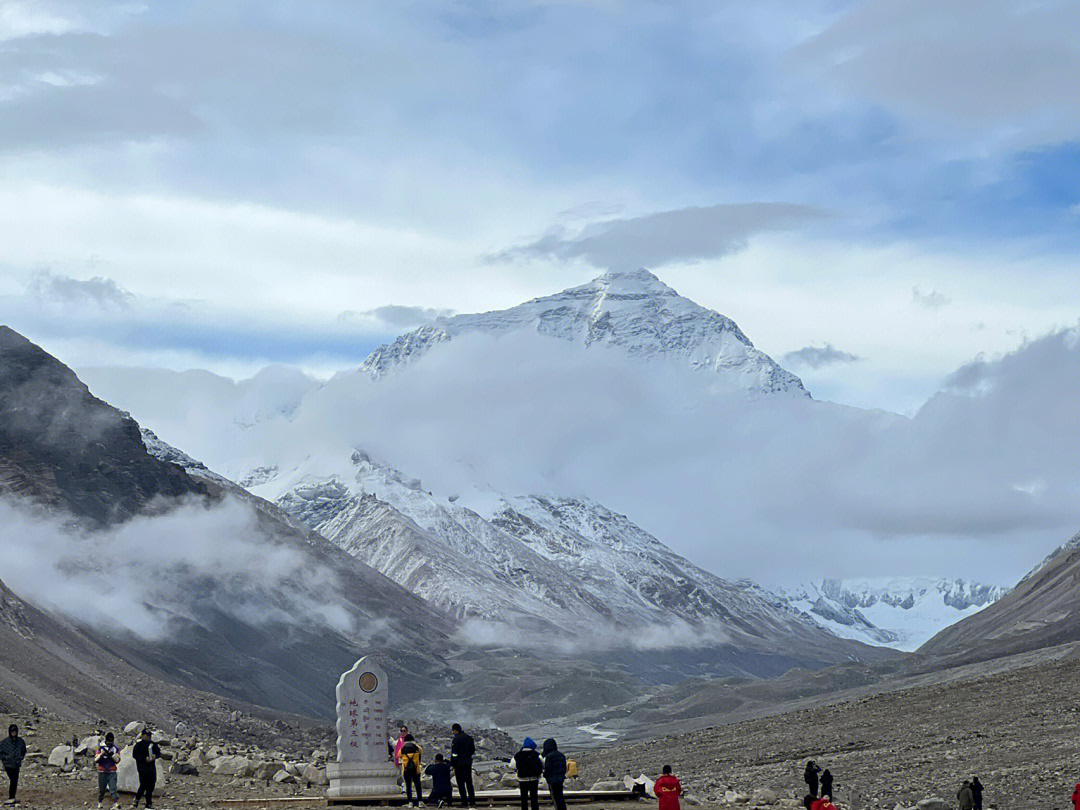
[[88, 745], [134, 727], [127, 775], [605, 784], [62, 756], [266, 770], [283, 777], [294, 768], [182, 729], [315, 776], [763, 796], [509, 780], [691, 799], [184, 769], [234, 765], [159, 737], [736, 797], [933, 803], [197, 758]]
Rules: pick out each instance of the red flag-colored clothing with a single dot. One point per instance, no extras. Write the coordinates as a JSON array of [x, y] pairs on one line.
[[668, 790], [823, 804], [1076, 797]]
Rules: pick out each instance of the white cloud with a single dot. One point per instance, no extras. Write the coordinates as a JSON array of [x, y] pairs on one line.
[[659, 238], [819, 356], [931, 300]]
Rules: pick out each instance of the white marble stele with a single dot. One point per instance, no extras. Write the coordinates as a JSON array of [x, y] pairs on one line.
[[364, 766]]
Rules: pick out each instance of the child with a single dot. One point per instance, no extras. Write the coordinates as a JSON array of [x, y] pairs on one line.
[[439, 771], [668, 790]]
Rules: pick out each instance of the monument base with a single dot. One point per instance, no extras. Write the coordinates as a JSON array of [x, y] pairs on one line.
[[357, 779]]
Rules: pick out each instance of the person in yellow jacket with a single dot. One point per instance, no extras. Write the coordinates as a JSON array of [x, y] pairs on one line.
[[411, 768]]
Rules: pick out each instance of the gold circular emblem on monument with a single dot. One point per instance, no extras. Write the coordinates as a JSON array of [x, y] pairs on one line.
[[368, 682]]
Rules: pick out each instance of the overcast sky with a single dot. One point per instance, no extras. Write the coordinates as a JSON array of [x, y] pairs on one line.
[[876, 192]]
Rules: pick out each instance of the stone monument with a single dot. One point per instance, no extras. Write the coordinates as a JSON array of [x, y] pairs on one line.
[[364, 766]]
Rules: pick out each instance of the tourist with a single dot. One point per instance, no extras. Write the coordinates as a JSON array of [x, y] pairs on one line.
[[462, 750], [12, 752], [439, 771], [824, 803], [555, 772], [826, 783], [1076, 797], [965, 797], [397, 746], [810, 776], [668, 789], [146, 754], [106, 759], [529, 769], [977, 792], [410, 755]]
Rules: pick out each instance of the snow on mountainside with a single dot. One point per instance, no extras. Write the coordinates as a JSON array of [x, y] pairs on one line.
[[900, 612], [566, 568], [632, 310]]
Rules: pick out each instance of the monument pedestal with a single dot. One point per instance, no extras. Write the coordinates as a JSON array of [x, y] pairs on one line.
[[356, 779], [363, 766]]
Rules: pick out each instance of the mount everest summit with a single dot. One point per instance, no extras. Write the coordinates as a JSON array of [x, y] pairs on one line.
[[529, 469]]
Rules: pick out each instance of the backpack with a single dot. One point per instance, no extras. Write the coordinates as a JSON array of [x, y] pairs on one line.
[[411, 761]]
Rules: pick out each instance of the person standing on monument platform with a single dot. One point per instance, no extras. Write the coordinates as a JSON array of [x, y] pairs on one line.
[[411, 754], [555, 772], [529, 770], [462, 751]]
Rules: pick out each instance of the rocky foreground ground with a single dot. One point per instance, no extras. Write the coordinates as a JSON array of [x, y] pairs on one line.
[[1018, 730]]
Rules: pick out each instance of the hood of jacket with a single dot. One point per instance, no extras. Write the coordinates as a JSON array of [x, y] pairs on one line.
[[550, 745], [529, 743]]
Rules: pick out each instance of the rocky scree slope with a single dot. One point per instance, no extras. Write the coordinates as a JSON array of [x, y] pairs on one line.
[[78, 463], [1043, 610], [632, 310]]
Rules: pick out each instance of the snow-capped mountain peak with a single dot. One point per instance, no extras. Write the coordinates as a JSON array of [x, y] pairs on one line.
[[900, 612], [631, 310]]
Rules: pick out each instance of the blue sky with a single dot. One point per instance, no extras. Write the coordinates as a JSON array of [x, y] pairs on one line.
[[229, 185]]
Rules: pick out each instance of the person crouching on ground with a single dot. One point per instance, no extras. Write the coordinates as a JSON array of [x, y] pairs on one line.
[[529, 770], [411, 754], [668, 789], [12, 753], [824, 803], [439, 771], [555, 772], [106, 759], [146, 754]]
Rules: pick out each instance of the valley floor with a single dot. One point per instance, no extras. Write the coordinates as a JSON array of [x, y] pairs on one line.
[[1017, 729]]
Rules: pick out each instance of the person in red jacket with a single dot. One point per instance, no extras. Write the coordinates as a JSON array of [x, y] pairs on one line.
[[668, 790], [824, 803], [1076, 797]]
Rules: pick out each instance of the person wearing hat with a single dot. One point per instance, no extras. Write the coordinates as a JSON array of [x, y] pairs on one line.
[[106, 759], [146, 754], [529, 770], [12, 752]]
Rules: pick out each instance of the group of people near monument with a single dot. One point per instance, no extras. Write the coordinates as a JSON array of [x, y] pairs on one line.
[[107, 756], [819, 788], [409, 758]]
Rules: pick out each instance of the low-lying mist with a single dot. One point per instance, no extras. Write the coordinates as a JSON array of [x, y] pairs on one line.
[[139, 576]]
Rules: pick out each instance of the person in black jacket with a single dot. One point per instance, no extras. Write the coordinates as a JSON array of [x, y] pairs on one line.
[[555, 772], [439, 771], [810, 776], [462, 750], [529, 770], [977, 792], [826, 783], [12, 753], [146, 754]]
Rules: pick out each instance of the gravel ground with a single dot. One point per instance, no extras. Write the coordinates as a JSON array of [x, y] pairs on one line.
[[1019, 731]]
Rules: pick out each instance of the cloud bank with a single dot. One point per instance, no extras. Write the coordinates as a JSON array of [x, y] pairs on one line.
[[141, 575]]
